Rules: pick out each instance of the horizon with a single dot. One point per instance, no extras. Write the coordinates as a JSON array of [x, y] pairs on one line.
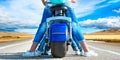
[[93, 15]]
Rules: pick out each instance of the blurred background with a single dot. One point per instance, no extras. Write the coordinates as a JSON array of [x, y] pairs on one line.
[[25, 15]]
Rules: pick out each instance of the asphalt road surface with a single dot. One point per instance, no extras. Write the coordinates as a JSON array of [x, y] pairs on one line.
[[106, 51]]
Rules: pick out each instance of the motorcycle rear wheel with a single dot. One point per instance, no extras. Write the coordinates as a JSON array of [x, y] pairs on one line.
[[58, 49]]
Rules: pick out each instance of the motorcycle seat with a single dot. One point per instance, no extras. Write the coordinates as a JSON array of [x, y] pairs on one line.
[[58, 7]]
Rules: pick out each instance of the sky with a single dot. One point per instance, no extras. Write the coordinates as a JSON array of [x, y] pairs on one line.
[[93, 15]]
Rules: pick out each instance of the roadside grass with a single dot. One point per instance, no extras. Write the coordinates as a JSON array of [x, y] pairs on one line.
[[8, 36], [106, 38]]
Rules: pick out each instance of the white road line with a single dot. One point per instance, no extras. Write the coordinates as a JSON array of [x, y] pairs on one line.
[[99, 49], [109, 51], [22, 43]]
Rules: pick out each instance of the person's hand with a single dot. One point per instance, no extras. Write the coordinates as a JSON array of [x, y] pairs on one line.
[[73, 1], [44, 2]]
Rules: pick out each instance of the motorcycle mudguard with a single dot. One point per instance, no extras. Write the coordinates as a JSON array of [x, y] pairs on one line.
[[58, 32]]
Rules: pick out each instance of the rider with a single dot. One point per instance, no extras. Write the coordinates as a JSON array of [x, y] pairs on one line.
[[76, 46], [77, 35]]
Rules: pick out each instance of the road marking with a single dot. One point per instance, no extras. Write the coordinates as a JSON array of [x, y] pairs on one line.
[[109, 51], [51, 59], [12, 45], [99, 49]]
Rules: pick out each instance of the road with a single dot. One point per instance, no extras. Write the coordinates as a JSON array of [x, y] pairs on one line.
[[106, 51]]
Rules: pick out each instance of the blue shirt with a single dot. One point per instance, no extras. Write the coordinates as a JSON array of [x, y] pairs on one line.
[[58, 1]]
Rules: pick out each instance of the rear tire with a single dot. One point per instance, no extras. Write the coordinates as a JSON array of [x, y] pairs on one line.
[[58, 49]]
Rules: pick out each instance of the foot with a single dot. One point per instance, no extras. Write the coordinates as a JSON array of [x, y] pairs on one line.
[[77, 52], [46, 53], [90, 53], [31, 54]]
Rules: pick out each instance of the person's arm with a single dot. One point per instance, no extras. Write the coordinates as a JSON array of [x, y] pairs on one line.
[[44, 1], [73, 1]]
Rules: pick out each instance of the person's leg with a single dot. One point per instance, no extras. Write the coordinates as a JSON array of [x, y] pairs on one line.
[[41, 46], [77, 35], [75, 47], [41, 30], [39, 35], [70, 13], [33, 51], [78, 45]]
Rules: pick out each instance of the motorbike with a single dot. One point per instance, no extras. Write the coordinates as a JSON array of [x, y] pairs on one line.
[[59, 31]]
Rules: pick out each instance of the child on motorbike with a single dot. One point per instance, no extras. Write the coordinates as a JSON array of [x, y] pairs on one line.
[[77, 35]]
